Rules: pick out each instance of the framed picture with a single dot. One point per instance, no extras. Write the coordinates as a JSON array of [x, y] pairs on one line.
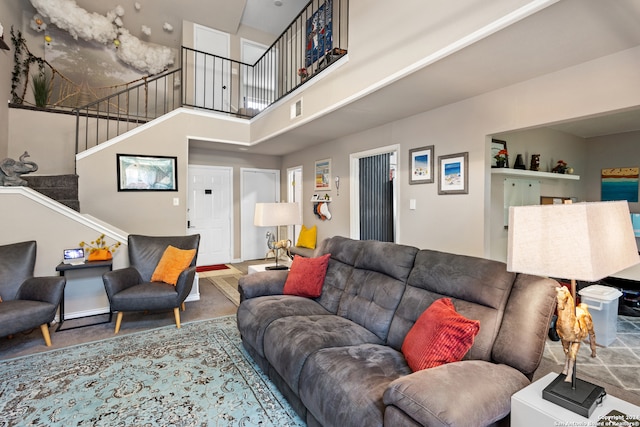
[[454, 174], [497, 146], [619, 184], [323, 175], [147, 173], [319, 33], [421, 165]]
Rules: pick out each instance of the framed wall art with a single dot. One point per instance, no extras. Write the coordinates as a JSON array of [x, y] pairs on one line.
[[421, 165], [453, 174], [147, 173], [319, 33], [619, 184], [323, 175]]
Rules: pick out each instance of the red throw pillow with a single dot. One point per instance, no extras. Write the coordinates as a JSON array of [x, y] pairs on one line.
[[440, 335], [306, 276]]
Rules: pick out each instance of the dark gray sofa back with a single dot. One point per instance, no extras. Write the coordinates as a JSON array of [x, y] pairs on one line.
[[367, 280], [526, 323], [479, 289], [344, 253]]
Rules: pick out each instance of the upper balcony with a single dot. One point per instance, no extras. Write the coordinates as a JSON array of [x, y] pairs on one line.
[[317, 37]]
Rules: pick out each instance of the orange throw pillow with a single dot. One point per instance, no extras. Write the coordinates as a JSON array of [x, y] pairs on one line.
[[172, 263], [306, 276], [440, 335]]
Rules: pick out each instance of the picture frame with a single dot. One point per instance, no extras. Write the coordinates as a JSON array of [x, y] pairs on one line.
[[421, 165], [147, 173], [322, 175], [319, 33], [496, 146], [453, 175]]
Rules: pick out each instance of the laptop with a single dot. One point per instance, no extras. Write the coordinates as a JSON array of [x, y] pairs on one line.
[[73, 256]]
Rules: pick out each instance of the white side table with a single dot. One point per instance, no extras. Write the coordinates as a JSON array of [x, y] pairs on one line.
[[262, 267], [529, 409]]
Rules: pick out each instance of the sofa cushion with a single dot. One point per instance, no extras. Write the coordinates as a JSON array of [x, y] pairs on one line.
[[344, 253], [439, 336], [306, 276], [376, 285], [479, 289], [293, 339], [307, 237], [256, 314], [20, 315], [356, 374], [468, 393]]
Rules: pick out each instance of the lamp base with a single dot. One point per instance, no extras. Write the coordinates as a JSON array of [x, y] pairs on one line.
[[277, 267], [581, 400]]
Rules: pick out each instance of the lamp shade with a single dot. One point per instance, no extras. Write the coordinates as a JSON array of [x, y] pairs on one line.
[[581, 241], [274, 214]]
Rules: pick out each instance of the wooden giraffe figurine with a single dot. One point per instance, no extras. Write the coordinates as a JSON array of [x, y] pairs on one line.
[[573, 326]]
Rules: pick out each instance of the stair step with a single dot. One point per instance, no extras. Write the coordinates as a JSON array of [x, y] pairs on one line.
[[62, 188]]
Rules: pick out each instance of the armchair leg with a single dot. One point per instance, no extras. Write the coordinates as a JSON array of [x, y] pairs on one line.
[[45, 333], [176, 313], [118, 321], [184, 307]]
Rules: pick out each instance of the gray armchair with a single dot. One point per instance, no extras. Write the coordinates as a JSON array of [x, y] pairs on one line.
[[131, 289], [27, 301]]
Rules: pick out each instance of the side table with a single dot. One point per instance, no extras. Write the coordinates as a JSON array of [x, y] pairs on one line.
[[62, 268], [528, 408], [263, 267]]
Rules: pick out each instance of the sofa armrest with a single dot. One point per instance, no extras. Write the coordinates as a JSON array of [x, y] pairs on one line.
[[46, 289], [470, 392], [262, 283]]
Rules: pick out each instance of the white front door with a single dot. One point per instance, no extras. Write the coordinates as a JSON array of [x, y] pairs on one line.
[[213, 73], [258, 186], [209, 214]]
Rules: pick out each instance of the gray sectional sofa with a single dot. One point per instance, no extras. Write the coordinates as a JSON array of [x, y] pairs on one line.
[[338, 360]]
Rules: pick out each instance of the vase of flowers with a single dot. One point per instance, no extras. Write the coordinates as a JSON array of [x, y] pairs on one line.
[[99, 250], [501, 158], [303, 73]]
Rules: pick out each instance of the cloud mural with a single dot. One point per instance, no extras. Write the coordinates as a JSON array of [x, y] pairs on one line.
[[91, 26]]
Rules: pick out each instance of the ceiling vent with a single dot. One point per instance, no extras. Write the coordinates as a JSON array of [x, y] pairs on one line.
[[296, 109]]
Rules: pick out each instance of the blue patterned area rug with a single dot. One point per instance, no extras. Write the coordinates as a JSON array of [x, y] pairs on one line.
[[198, 375]]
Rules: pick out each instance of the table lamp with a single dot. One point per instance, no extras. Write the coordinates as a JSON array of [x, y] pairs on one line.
[[581, 241], [276, 215]]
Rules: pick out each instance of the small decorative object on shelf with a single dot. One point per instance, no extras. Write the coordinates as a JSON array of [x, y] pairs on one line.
[[519, 164], [501, 158], [535, 162], [302, 72], [99, 250], [562, 167]]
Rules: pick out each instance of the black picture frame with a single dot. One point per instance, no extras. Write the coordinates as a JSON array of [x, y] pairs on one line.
[[496, 146], [147, 173]]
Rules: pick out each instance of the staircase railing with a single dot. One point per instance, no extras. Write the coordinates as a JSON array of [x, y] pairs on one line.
[[317, 37], [127, 109]]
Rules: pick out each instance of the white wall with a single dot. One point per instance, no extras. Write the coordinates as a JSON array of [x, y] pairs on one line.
[[55, 229], [462, 223]]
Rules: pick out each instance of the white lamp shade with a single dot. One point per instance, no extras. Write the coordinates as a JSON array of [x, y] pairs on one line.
[[581, 241], [274, 214]]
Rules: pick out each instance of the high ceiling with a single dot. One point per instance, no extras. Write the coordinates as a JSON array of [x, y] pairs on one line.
[[223, 15]]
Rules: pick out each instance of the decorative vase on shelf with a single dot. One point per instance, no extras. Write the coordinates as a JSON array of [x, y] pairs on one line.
[[501, 163]]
